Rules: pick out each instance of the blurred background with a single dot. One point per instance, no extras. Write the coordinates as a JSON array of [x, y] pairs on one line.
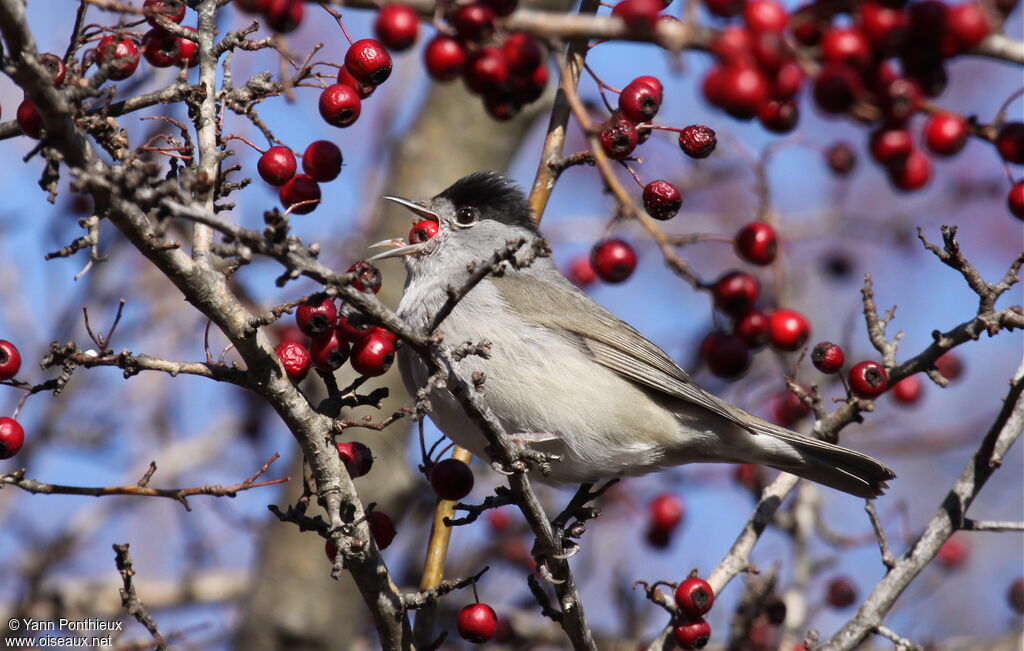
[[228, 575]]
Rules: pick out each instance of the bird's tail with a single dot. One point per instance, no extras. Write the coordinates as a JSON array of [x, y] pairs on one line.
[[825, 463]]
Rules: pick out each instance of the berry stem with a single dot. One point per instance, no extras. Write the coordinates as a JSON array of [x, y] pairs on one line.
[[337, 16], [245, 140]]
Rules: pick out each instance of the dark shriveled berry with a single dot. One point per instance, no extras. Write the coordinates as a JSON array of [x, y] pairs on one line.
[[662, 200], [451, 479], [827, 357], [841, 158], [697, 141], [618, 139]]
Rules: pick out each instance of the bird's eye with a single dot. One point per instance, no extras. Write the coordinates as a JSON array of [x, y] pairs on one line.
[[466, 216]]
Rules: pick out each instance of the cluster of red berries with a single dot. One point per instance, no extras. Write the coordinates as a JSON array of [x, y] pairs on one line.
[[160, 48], [694, 598], [280, 15], [666, 514], [300, 193], [868, 379], [506, 69], [337, 336], [12, 435], [367, 65]]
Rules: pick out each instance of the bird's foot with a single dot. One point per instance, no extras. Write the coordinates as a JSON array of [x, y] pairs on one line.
[[524, 456]]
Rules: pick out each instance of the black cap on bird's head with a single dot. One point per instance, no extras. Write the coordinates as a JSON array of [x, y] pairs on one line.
[[487, 200]]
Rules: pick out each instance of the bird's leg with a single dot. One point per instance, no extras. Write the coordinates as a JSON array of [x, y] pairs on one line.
[[523, 454]]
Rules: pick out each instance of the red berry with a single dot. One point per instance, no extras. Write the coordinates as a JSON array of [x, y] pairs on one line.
[[529, 88], [953, 553], [451, 479], [659, 538], [900, 98], [1010, 142], [340, 105], [295, 359], [473, 22], [613, 260], [787, 409], [173, 10], [651, 81], [945, 134], [423, 231], [868, 380], [733, 44], [828, 357], [122, 55], [363, 90], [695, 597], [788, 81], [752, 328], [757, 243], [368, 61], [1015, 596], [54, 67], [352, 325], [736, 292], [382, 528], [749, 476], [807, 25], [968, 24], [284, 15], [10, 360], [662, 200], [397, 26], [277, 165], [299, 189], [727, 356], [846, 45], [725, 8], [317, 315], [188, 51], [368, 277], [639, 15], [1015, 200], [522, 53], [373, 354], [499, 520], [908, 390], [357, 458], [841, 593], [788, 329], [581, 272], [477, 623], [322, 160], [692, 635], [841, 158], [445, 58], [697, 141], [639, 102], [501, 7], [891, 144], [618, 138], [911, 173], [487, 70], [765, 16], [329, 351], [744, 88], [160, 48], [885, 27], [949, 366], [666, 511], [12, 437], [836, 87]]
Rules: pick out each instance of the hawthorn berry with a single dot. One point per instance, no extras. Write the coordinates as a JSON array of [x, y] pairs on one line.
[[695, 597], [735, 292], [765, 16], [501, 7], [757, 243], [666, 512], [788, 81], [330, 550], [423, 231], [868, 379], [900, 98], [322, 161], [368, 61], [295, 359], [725, 8], [788, 409], [356, 456], [290, 333], [639, 102], [1010, 142], [613, 260], [743, 89], [329, 351], [340, 105], [908, 390], [748, 476], [846, 45], [172, 10], [911, 173], [445, 58], [953, 553], [1015, 200], [54, 67], [529, 88], [316, 315], [501, 105], [121, 54], [352, 325], [581, 272], [733, 44], [692, 634], [277, 165], [836, 87], [373, 353], [639, 15], [885, 27], [499, 520], [697, 141], [160, 48], [945, 133], [477, 623], [252, 6], [949, 366], [522, 53], [451, 479], [726, 355], [284, 15], [473, 22], [12, 437], [841, 158], [840, 593], [806, 25], [662, 200], [787, 329], [487, 70], [658, 538], [968, 25], [397, 27], [1015, 596], [891, 144], [618, 138], [368, 277], [382, 528], [188, 50], [296, 191], [752, 328], [363, 90], [10, 360], [779, 117], [828, 357]]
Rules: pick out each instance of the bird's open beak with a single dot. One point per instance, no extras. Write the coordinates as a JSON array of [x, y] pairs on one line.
[[399, 247]]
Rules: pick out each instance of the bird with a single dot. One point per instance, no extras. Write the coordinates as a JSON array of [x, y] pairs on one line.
[[564, 376]]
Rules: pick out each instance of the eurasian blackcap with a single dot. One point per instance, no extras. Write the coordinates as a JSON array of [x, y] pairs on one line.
[[565, 376]]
